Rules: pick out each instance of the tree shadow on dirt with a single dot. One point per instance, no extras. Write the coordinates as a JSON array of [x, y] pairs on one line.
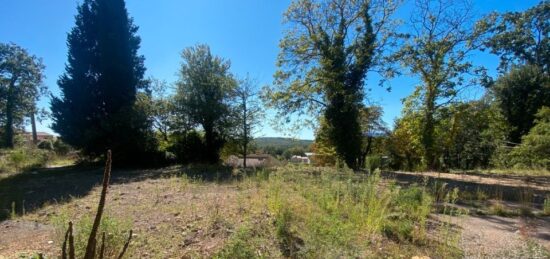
[[502, 192], [29, 191]]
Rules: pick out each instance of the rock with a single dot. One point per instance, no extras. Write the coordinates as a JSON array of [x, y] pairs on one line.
[[50, 242]]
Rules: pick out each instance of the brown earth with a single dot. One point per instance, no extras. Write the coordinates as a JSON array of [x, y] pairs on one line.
[[176, 217]]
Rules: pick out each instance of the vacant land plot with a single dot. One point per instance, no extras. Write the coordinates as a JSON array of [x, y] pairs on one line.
[[288, 212]]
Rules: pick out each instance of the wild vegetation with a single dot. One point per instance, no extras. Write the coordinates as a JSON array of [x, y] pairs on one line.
[[361, 189]]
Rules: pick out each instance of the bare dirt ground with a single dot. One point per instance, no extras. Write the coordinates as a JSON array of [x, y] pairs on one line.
[[171, 217], [177, 218], [499, 237]]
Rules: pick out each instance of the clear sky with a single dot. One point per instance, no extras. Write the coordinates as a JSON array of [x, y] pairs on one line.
[[246, 32]]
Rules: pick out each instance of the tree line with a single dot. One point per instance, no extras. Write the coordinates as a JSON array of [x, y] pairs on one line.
[[326, 54]]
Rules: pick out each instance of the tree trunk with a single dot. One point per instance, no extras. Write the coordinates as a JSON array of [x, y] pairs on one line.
[[428, 134], [245, 134], [33, 125], [211, 146], [365, 153]]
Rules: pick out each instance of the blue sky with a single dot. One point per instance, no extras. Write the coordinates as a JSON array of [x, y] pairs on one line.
[[245, 31]]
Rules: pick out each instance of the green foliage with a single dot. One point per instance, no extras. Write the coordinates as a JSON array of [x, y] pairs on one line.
[[324, 58], [404, 145], [373, 163], [239, 246], [116, 233], [188, 147], [61, 148], [469, 134], [162, 111], [327, 212], [534, 151], [21, 76], [23, 159], [520, 37], [204, 93], [411, 208], [289, 243], [99, 106], [247, 114], [519, 95], [325, 154], [46, 145], [437, 52]]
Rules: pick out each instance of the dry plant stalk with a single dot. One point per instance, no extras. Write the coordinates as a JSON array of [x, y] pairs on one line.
[[92, 241]]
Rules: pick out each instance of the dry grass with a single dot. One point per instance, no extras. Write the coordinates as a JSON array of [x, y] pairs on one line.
[[289, 212]]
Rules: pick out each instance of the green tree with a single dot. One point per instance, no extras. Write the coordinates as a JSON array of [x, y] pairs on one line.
[[21, 76], [326, 52], [162, 108], [520, 94], [437, 52], [469, 133], [247, 114], [534, 150], [521, 38], [204, 95], [101, 81], [372, 128], [405, 141]]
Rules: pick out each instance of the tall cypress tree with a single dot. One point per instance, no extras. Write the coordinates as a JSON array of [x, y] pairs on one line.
[[103, 75]]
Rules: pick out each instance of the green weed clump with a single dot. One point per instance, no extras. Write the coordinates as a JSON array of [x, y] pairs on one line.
[[116, 233], [321, 212], [410, 210], [23, 159], [239, 246]]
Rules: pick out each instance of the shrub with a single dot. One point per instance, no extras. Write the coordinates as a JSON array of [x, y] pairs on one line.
[[188, 147], [534, 151], [373, 163], [238, 246], [410, 208], [22, 159], [61, 148], [46, 145]]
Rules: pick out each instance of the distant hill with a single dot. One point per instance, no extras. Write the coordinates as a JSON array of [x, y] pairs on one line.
[[283, 143]]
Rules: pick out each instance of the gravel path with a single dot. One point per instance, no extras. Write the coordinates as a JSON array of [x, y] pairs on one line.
[[499, 237]]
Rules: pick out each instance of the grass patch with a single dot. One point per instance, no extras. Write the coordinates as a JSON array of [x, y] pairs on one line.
[[116, 233]]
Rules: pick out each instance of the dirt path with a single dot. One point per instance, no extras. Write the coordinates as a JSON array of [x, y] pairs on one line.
[[27, 236], [499, 237]]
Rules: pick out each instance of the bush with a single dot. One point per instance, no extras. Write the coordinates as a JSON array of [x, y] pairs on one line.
[[61, 148], [188, 148], [534, 151], [373, 163], [46, 145], [23, 158]]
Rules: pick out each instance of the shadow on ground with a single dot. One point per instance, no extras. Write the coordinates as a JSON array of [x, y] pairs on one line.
[[495, 191], [29, 191]]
